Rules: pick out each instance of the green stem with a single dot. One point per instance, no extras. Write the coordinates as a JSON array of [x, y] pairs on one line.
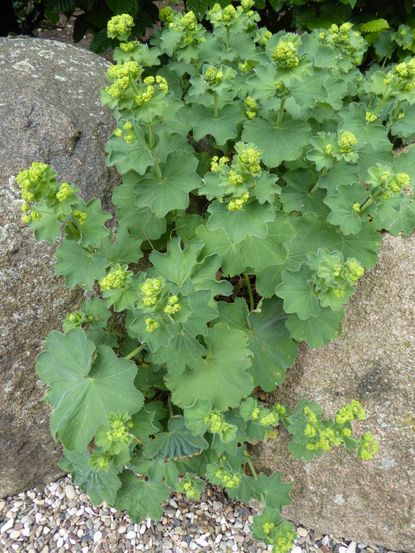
[[281, 111], [250, 294], [367, 203], [170, 406], [227, 38], [74, 229], [314, 188], [134, 352], [252, 469]]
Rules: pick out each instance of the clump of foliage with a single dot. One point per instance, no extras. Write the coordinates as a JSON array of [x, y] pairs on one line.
[[258, 171]]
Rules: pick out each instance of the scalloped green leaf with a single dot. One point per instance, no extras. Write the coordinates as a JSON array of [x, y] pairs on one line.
[[100, 485], [278, 142], [141, 498], [85, 386], [221, 376], [177, 443]]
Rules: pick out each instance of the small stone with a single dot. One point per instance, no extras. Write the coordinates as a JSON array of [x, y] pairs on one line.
[[97, 536], [302, 532], [351, 548], [7, 526], [131, 535], [202, 542], [296, 549]]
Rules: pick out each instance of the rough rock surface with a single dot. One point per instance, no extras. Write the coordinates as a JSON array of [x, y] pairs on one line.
[[49, 111], [373, 361]]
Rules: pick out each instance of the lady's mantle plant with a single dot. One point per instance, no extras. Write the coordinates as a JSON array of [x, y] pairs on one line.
[[257, 173]]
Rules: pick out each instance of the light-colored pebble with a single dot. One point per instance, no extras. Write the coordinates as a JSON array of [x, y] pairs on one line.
[[59, 518]]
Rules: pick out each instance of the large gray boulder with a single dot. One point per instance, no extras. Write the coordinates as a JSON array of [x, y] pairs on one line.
[[373, 361], [49, 111]]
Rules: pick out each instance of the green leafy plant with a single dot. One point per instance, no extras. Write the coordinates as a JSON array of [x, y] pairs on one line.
[[258, 172]]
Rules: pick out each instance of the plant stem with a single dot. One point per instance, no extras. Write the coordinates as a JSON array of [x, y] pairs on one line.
[[252, 469], [281, 111], [367, 203], [134, 352], [170, 406], [250, 294], [227, 38], [314, 188]]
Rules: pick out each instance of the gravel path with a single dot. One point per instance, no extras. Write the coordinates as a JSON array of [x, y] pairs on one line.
[[59, 518]]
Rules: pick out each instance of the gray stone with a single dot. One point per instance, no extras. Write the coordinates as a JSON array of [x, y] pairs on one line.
[[373, 361], [49, 111]]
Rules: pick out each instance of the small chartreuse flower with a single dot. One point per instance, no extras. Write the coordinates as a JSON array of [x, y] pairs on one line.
[[345, 40], [100, 461], [150, 291], [190, 486], [118, 277], [285, 53], [116, 436], [120, 27], [368, 447], [238, 203], [401, 78], [216, 424]]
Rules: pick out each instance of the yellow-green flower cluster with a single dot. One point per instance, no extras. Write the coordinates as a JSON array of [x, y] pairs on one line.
[[246, 66], [128, 47], [238, 203], [123, 75], [216, 423], [213, 76], [353, 411], [346, 141], [286, 54], [151, 325], [150, 291], [217, 163], [252, 107], [126, 132], [352, 270], [100, 461], [119, 428], [35, 182], [166, 15], [262, 37], [370, 117], [320, 436], [227, 478], [78, 318], [187, 25], [235, 178], [120, 26], [250, 158], [188, 487], [65, 191], [368, 447], [172, 306], [402, 76], [225, 16], [129, 69], [115, 279], [334, 278], [345, 39], [388, 183], [283, 538], [80, 216], [152, 85]]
